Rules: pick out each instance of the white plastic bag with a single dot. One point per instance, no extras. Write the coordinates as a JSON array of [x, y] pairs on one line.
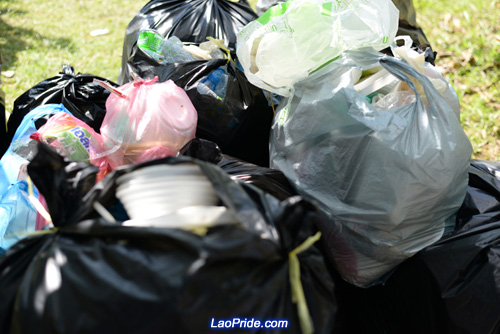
[[294, 38], [390, 179]]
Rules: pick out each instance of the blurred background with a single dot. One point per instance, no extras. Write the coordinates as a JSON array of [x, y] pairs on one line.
[[38, 36]]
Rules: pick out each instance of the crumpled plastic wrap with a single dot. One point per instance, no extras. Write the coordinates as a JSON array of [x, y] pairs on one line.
[[292, 39]]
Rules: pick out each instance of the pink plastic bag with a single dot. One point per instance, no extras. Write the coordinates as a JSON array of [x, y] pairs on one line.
[[149, 121]]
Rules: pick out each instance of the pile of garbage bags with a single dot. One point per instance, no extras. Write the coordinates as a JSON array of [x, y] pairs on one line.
[[299, 168]]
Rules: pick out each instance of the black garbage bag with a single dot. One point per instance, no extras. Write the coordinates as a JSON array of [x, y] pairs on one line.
[[408, 26], [85, 99], [272, 181], [4, 142], [189, 20], [466, 264], [409, 301], [452, 286], [240, 123], [96, 277]]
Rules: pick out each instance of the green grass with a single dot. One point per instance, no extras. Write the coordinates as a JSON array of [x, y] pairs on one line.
[[466, 35], [38, 36]]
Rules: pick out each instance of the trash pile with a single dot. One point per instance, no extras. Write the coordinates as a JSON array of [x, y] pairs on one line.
[[300, 168]]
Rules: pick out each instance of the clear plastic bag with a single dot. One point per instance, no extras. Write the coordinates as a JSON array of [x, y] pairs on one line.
[[70, 137], [18, 214], [294, 38], [389, 179], [150, 120]]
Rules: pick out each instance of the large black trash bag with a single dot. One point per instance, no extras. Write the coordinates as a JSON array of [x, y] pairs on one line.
[[240, 123], [85, 99], [97, 277], [189, 20], [452, 286], [409, 302], [270, 180], [466, 264]]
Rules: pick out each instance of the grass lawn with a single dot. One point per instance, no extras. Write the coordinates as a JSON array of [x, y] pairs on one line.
[[38, 36], [466, 35]]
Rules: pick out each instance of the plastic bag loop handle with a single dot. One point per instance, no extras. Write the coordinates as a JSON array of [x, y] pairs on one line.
[[402, 71]]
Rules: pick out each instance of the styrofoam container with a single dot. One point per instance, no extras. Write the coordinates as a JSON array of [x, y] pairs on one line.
[[180, 186], [161, 171], [382, 81], [188, 217], [126, 192], [163, 189]]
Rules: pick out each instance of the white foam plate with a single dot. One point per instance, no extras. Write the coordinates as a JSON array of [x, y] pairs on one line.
[[164, 193], [162, 171], [169, 187], [376, 82], [189, 217]]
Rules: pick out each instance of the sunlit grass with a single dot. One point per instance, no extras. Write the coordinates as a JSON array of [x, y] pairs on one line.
[[37, 37], [466, 35]]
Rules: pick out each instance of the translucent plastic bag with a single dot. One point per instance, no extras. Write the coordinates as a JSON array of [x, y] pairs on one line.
[[70, 137], [150, 120], [18, 215], [389, 179], [294, 38], [23, 148]]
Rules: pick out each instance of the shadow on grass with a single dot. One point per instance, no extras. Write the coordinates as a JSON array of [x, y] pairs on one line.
[[16, 39]]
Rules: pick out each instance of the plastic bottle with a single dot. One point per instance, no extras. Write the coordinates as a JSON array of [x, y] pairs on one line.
[[150, 41], [173, 52], [214, 84], [220, 88]]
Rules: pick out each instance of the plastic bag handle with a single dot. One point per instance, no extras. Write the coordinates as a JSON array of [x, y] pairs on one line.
[[402, 71]]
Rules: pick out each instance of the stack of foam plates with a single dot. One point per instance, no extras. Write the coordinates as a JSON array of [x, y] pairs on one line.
[[162, 190]]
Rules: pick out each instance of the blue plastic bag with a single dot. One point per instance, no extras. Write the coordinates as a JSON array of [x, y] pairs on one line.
[[22, 147], [17, 213]]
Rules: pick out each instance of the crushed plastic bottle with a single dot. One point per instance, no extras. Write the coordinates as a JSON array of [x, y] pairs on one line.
[[150, 41], [163, 50], [172, 51], [214, 84]]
